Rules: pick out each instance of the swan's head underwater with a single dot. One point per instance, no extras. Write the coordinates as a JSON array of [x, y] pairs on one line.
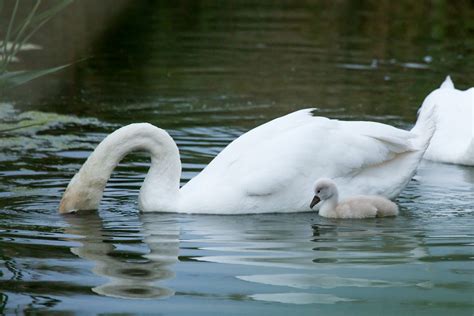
[[324, 189]]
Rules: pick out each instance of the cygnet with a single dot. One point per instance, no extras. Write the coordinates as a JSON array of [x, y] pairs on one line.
[[362, 206]]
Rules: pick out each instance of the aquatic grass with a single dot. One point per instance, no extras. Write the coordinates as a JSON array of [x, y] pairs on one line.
[[6, 57], [17, 35], [16, 39], [11, 79]]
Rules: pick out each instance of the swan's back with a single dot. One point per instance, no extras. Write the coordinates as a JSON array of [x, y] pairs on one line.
[[453, 140], [272, 167]]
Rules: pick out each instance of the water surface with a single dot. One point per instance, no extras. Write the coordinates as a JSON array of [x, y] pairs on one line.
[[208, 72]]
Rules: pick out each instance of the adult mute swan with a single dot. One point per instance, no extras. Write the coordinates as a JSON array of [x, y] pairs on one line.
[[269, 169], [361, 206], [453, 140]]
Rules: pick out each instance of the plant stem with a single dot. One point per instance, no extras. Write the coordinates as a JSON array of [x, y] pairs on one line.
[[7, 37], [17, 43], [20, 127]]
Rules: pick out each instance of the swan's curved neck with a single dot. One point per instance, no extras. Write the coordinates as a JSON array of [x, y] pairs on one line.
[[160, 189]]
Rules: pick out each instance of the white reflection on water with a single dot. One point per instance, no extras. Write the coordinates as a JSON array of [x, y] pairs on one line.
[[326, 281], [136, 277], [301, 298], [307, 241]]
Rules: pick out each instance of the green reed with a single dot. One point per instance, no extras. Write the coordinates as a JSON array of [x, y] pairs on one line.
[[19, 30]]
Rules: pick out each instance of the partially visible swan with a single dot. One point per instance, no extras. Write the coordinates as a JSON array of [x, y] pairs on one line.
[[453, 140], [269, 169], [362, 206]]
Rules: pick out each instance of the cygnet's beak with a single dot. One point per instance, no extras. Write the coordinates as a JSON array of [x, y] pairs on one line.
[[315, 201]]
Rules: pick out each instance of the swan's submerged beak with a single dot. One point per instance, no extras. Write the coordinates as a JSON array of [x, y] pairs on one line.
[[315, 201]]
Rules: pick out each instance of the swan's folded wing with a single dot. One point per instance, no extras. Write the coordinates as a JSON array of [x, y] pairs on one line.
[[397, 139], [359, 145], [320, 148]]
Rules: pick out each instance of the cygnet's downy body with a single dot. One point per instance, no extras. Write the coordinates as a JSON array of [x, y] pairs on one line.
[[362, 206]]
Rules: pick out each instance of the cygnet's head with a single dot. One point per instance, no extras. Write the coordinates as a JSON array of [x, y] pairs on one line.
[[324, 189]]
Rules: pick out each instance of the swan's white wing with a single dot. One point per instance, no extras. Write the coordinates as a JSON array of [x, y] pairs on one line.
[[319, 148]]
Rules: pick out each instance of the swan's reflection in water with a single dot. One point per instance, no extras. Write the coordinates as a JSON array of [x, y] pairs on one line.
[[345, 255], [307, 241], [315, 258], [134, 257]]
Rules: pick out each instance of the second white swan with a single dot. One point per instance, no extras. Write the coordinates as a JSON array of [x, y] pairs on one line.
[[453, 140], [270, 169]]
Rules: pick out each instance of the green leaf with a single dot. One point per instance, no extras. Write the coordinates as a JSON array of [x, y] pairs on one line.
[[11, 79], [51, 11]]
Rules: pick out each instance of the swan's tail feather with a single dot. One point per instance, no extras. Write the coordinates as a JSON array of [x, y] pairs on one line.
[[447, 83], [424, 128]]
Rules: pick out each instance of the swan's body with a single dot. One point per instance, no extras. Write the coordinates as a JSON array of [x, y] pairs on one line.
[[269, 169], [453, 140], [361, 206]]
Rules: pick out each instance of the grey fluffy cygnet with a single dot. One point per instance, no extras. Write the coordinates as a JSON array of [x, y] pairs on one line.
[[362, 206]]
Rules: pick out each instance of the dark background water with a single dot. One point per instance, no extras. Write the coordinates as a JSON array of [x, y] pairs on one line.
[[207, 72]]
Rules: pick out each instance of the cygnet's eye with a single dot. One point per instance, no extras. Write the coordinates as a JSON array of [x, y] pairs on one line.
[[319, 191]]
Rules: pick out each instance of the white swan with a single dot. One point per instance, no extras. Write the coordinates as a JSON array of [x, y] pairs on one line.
[[361, 206], [453, 140], [269, 169]]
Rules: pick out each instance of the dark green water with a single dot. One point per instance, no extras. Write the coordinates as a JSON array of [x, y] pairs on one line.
[[207, 72]]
